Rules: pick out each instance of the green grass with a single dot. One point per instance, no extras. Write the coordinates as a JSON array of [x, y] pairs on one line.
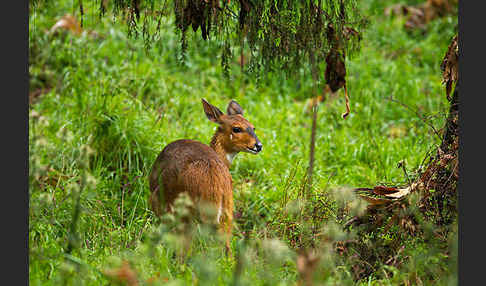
[[113, 106]]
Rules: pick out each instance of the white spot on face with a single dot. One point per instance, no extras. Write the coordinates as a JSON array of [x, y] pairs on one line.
[[231, 136], [230, 157]]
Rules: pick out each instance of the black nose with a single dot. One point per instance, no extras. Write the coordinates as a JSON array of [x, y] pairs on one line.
[[258, 146]]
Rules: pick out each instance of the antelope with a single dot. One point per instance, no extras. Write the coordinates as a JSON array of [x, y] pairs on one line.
[[202, 171]]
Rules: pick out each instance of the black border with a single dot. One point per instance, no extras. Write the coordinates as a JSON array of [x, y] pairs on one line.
[[471, 127], [14, 188], [15, 117]]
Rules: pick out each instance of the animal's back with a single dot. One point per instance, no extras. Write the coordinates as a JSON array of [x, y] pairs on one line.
[[193, 167]]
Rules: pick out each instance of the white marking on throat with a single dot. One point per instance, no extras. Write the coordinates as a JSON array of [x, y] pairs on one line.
[[230, 157]]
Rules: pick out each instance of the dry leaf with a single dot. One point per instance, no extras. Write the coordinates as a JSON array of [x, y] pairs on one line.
[[450, 66], [382, 190], [125, 274], [396, 9], [306, 264], [335, 70], [375, 201], [311, 102], [335, 73], [381, 195], [416, 18], [420, 15], [335, 67], [156, 278], [34, 95], [350, 32], [242, 60], [397, 131], [67, 23]]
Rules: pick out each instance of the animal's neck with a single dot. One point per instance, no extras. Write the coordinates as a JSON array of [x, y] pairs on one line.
[[217, 143]]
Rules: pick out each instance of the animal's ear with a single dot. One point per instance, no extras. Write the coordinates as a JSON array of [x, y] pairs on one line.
[[212, 112], [234, 108]]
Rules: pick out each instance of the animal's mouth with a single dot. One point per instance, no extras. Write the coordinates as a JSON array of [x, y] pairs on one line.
[[253, 150]]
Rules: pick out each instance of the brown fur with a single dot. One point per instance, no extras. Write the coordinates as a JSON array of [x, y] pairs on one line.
[[202, 171]]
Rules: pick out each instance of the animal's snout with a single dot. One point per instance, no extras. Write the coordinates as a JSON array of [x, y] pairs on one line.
[[258, 146]]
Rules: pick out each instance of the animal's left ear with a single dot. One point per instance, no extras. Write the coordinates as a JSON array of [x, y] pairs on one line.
[[212, 112], [234, 108]]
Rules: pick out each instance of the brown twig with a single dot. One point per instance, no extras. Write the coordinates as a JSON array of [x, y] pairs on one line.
[[345, 114], [417, 113], [81, 11], [312, 149], [315, 77]]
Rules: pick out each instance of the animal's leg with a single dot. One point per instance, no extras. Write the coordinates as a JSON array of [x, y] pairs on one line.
[[226, 225], [154, 201]]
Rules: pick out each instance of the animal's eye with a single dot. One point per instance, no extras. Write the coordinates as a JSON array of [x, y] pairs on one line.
[[236, 129]]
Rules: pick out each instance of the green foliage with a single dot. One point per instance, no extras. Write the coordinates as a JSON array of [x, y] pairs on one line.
[[281, 36], [112, 103]]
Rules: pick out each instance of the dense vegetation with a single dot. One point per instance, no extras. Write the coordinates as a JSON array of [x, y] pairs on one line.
[[103, 106]]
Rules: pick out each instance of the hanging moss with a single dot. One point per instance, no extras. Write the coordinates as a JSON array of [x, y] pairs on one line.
[[279, 34]]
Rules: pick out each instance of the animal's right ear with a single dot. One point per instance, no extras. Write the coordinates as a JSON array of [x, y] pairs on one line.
[[234, 108], [212, 112]]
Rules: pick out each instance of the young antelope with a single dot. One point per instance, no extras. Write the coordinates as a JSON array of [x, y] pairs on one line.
[[202, 171]]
